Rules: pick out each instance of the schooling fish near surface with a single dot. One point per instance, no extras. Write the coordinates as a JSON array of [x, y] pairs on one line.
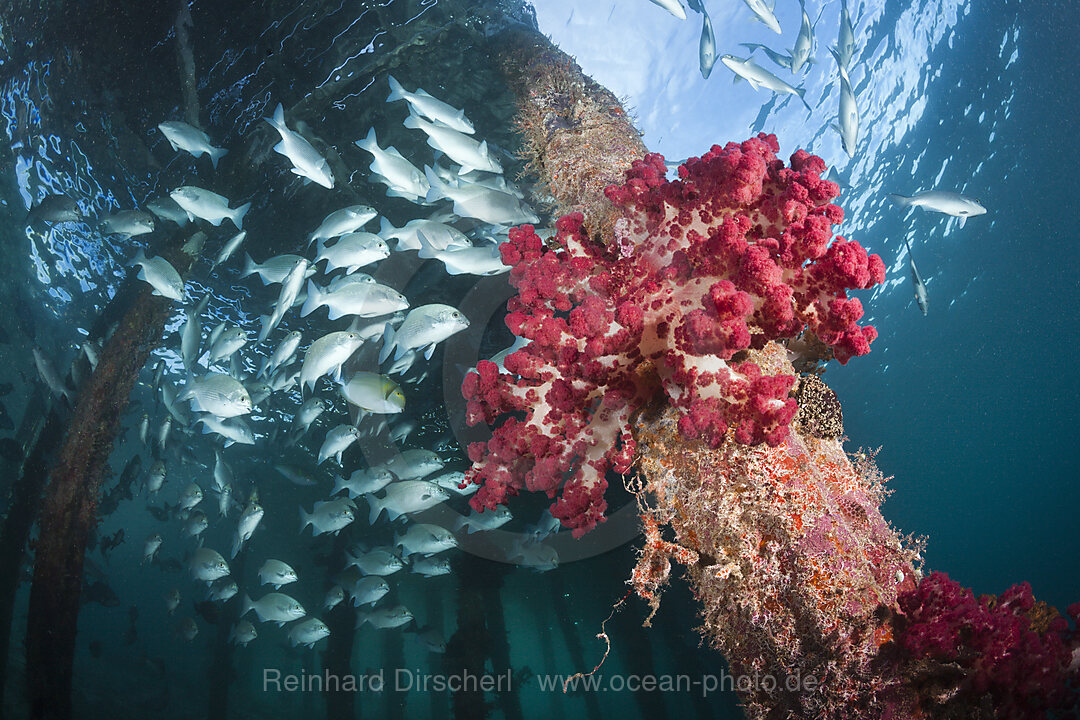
[[942, 201], [759, 77]]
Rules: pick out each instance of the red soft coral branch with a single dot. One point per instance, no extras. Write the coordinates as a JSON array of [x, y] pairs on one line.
[[738, 252]]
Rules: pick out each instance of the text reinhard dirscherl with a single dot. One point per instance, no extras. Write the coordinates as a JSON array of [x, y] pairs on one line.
[[409, 680], [401, 680]]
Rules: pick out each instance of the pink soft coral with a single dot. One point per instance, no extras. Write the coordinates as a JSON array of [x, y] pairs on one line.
[[737, 252]]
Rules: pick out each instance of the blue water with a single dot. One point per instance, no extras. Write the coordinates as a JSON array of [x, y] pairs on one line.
[[973, 405]]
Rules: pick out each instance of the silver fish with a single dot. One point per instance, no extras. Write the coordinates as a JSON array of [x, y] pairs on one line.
[[224, 499], [334, 597], [436, 233], [487, 520], [308, 632], [307, 414], [672, 6], [151, 546], [537, 555], [362, 482], [190, 339], [378, 561], [485, 260], [156, 477], [207, 565], [353, 251], [327, 354], [480, 202], [296, 475], [221, 395], [167, 209], [462, 149], [361, 299], [290, 288], [942, 201], [922, 298], [172, 600], [283, 353], [233, 430], [191, 496], [276, 573], [274, 270], [274, 607], [706, 47], [430, 107], [50, 376], [209, 206], [430, 566], [305, 159], [363, 589], [780, 59], [229, 248], [342, 222], [337, 441], [404, 497], [223, 589], [385, 618], [759, 77], [227, 342], [128, 223], [804, 43], [163, 433], [161, 275], [196, 524], [188, 629], [391, 168], [191, 140], [328, 516], [424, 327], [848, 121], [845, 37], [764, 14], [424, 539], [242, 633], [413, 464], [245, 527]]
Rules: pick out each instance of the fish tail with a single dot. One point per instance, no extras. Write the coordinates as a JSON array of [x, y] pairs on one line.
[[376, 508], [412, 122], [900, 199], [396, 91], [250, 266], [216, 154], [801, 92], [313, 301], [268, 324], [238, 215], [388, 343], [278, 121], [369, 143], [246, 605], [305, 519]]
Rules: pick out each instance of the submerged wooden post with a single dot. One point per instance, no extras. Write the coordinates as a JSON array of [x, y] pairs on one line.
[[40, 432], [69, 509], [577, 137], [337, 657]]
